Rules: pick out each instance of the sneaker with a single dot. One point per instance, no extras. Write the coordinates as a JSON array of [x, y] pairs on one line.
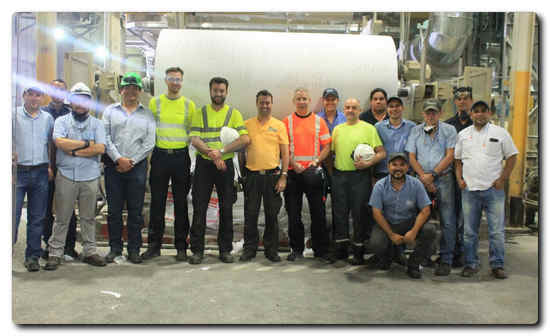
[[196, 258], [53, 263], [94, 260], [72, 253], [414, 272], [182, 255], [134, 257], [150, 253], [499, 273], [443, 269], [226, 257], [273, 257], [109, 258], [468, 272], [32, 265], [294, 255], [458, 261], [248, 255]]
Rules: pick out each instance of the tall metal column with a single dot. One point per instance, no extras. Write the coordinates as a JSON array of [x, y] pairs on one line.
[[522, 56]]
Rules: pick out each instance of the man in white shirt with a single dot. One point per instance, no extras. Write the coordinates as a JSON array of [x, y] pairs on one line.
[[479, 152]]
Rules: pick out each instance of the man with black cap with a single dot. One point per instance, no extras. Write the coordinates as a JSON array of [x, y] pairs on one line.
[[401, 208], [130, 134], [461, 120], [80, 140], [57, 108], [480, 150], [32, 131], [431, 153]]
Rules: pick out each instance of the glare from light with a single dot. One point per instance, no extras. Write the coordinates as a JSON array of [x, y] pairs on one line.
[[59, 33], [100, 52]]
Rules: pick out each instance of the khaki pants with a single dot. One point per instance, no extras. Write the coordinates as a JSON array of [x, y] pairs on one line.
[[66, 193]]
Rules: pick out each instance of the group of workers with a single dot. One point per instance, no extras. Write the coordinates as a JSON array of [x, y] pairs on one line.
[[454, 168]]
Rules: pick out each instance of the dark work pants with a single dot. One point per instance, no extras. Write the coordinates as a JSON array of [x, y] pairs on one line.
[[48, 223], [350, 191], [459, 247], [295, 188], [126, 188], [205, 177], [256, 188], [381, 243], [167, 167]]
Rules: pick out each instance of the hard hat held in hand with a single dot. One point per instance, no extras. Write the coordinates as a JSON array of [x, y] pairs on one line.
[[228, 135], [363, 152]]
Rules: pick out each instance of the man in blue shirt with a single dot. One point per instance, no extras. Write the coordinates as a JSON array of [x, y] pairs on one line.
[[130, 131], [32, 136], [58, 108], [401, 209], [431, 153], [80, 139]]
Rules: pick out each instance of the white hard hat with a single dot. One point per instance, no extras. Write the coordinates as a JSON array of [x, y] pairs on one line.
[[81, 89], [228, 135], [363, 152]]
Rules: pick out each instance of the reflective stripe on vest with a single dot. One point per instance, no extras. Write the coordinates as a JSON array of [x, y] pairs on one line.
[[205, 127], [163, 125], [316, 141]]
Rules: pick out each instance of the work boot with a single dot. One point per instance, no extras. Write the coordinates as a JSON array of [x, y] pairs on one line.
[[294, 255], [443, 269], [358, 252], [273, 257], [327, 258], [53, 263], [469, 272], [182, 255], [247, 255], [32, 264], [413, 271], [94, 260], [134, 257], [109, 258], [150, 253], [196, 258], [226, 257], [499, 273]]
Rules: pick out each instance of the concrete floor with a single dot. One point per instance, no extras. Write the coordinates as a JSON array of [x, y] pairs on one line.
[[163, 291]]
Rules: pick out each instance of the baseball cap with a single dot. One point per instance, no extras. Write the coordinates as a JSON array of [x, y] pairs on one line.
[[131, 78], [329, 92], [463, 91], [395, 98], [397, 155], [479, 103], [34, 88], [431, 104]]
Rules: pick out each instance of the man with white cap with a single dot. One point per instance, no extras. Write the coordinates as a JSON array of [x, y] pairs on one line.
[[480, 152], [80, 140], [32, 131], [431, 154], [351, 180], [130, 134]]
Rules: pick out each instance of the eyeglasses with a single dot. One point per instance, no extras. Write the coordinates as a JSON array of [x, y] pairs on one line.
[[174, 79]]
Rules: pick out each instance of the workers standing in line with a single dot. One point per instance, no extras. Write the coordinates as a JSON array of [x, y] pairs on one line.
[[80, 140], [463, 103], [352, 179], [170, 164], [32, 132], [130, 136], [480, 150], [214, 166], [58, 108], [401, 208], [431, 153], [263, 178], [307, 133]]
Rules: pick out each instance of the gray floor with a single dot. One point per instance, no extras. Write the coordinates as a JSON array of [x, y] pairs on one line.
[[164, 291]]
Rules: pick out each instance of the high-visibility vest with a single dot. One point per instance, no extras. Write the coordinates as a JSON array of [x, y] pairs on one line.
[[316, 141], [171, 133], [212, 134]]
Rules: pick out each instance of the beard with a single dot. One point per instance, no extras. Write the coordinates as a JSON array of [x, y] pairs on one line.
[[396, 177], [80, 116], [218, 100]]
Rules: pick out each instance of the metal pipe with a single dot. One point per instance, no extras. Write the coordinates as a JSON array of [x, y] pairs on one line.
[[423, 56]]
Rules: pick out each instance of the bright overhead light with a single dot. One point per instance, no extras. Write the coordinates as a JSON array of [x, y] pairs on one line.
[[100, 52], [59, 33]]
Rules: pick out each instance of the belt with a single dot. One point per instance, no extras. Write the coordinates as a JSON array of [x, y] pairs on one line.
[[28, 168], [264, 172], [170, 150]]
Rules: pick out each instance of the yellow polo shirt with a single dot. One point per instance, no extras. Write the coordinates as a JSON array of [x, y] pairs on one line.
[[264, 152]]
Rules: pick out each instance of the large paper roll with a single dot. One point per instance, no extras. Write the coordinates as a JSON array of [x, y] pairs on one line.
[[278, 62]]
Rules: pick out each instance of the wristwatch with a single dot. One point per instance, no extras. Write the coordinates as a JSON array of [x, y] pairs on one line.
[[222, 151], [284, 173]]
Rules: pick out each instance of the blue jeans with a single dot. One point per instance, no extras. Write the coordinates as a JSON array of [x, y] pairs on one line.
[[126, 188], [473, 203], [447, 216], [34, 183]]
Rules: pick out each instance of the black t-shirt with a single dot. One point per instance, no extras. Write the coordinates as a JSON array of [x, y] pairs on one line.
[[455, 121], [368, 116]]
